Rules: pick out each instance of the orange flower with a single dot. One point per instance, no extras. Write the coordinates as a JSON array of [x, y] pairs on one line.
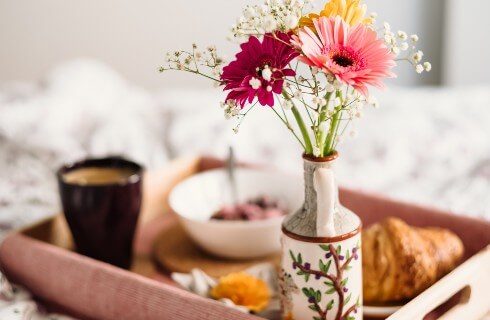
[[244, 290], [351, 11]]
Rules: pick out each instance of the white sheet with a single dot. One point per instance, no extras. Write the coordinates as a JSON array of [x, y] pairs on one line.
[[426, 145]]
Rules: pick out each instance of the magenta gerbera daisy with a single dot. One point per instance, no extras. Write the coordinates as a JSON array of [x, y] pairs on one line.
[[354, 55], [259, 69]]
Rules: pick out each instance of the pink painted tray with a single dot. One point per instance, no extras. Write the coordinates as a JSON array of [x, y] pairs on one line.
[[40, 258]]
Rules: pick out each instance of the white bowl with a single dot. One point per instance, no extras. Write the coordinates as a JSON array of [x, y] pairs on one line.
[[197, 198]]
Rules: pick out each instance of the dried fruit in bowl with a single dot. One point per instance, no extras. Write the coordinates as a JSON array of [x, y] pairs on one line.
[[260, 208]]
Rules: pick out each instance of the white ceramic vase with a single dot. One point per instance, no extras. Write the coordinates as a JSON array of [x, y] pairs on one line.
[[321, 275]]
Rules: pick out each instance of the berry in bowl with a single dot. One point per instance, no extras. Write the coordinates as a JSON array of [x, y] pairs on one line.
[[261, 208]]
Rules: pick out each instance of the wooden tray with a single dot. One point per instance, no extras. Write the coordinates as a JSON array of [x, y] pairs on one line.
[[39, 257], [189, 256]]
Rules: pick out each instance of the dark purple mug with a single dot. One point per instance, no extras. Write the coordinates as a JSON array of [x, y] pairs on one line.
[[102, 214]]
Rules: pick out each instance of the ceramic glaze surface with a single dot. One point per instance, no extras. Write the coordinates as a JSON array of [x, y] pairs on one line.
[[321, 275], [321, 281], [304, 221]]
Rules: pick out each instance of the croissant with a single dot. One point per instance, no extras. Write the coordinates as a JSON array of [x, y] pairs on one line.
[[400, 261]]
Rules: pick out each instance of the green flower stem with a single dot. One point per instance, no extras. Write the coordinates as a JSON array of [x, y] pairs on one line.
[[303, 130], [334, 126], [302, 126], [323, 111], [321, 118], [332, 132]]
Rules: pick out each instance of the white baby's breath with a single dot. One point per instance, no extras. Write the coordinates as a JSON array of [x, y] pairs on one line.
[[402, 35], [230, 108], [316, 101], [269, 24], [329, 87], [327, 101], [337, 84], [291, 22], [397, 43], [273, 15], [372, 101], [288, 104], [199, 61], [419, 54], [388, 38], [249, 12]]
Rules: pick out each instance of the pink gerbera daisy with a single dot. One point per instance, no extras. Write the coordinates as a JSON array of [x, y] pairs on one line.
[[259, 69], [354, 55]]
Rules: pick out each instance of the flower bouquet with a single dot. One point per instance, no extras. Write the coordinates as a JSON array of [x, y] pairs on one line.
[[314, 71], [290, 59]]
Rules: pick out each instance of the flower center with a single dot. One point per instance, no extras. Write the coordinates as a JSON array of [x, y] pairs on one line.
[[345, 57], [265, 72], [343, 60]]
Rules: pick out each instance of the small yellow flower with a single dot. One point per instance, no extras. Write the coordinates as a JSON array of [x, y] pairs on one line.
[[289, 316], [351, 11], [244, 290]]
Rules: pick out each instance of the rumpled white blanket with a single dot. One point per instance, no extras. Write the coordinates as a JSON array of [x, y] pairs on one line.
[[80, 109], [425, 145], [16, 303]]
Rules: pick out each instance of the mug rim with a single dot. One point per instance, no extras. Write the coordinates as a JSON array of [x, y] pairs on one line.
[[103, 162]]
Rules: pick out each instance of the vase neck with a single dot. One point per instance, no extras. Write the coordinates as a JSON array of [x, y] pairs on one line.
[[311, 198], [304, 221]]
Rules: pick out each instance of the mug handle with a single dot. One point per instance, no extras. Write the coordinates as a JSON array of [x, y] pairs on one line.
[[470, 281]]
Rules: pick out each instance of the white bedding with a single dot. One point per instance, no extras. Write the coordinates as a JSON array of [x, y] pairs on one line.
[[427, 145]]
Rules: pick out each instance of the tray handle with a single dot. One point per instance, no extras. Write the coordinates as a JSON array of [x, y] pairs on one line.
[[470, 281]]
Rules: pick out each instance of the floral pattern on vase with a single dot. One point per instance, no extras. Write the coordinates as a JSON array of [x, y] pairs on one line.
[[329, 279]]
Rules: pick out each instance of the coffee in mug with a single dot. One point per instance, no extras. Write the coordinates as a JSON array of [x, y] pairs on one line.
[[101, 201], [97, 176]]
